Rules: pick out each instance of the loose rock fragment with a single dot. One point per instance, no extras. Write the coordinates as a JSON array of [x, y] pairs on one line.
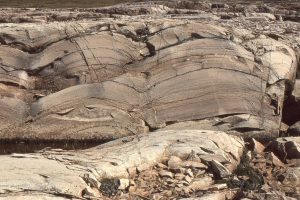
[[124, 184], [219, 169], [200, 184], [257, 146], [174, 162], [166, 174]]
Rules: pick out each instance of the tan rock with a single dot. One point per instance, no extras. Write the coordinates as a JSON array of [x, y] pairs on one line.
[[166, 174], [200, 184], [124, 184], [257, 146], [194, 164], [275, 160], [220, 169], [174, 162]]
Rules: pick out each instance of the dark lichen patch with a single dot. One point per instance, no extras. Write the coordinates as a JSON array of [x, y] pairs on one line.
[[252, 179], [8, 147], [109, 187]]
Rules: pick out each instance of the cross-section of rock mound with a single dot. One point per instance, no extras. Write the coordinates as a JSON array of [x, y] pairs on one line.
[[103, 80], [58, 173]]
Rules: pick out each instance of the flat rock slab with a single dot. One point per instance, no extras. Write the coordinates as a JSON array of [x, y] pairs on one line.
[[69, 173]]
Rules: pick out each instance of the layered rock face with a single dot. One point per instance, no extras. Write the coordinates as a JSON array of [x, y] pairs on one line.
[[180, 89], [107, 79]]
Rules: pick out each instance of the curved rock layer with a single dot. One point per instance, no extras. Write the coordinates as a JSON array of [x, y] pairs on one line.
[[107, 79]]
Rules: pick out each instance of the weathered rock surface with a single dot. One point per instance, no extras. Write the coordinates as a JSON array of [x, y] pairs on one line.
[[69, 173], [107, 79], [174, 81]]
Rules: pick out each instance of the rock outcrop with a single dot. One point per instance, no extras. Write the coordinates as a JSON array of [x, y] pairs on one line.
[[104, 80], [191, 98], [74, 174]]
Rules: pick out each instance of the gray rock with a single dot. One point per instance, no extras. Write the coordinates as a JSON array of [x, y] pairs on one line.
[[166, 174], [219, 169], [294, 130]]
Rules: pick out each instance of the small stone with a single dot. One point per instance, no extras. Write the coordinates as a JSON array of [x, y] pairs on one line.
[[235, 39], [219, 169], [184, 182], [194, 164], [124, 184], [178, 188], [244, 178], [131, 182], [167, 193], [156, 196], [162, 166], [189, 173], [200, 172], [179, 185], [201, 183], [91, 192], [231, 167], [179, 176], [132, 189], [275, 160], [256, 146], [284, 127], [174, 162], [266, 188], [249, 155], [103, 28], [170, 181], [217, 187], [164, 173], [188, 179], [178, 170]]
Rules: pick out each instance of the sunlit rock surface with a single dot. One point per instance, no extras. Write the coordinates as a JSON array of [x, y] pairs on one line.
[[192, 96]]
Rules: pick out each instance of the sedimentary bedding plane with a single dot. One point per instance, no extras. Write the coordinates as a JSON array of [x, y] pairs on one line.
[[107, 79]]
